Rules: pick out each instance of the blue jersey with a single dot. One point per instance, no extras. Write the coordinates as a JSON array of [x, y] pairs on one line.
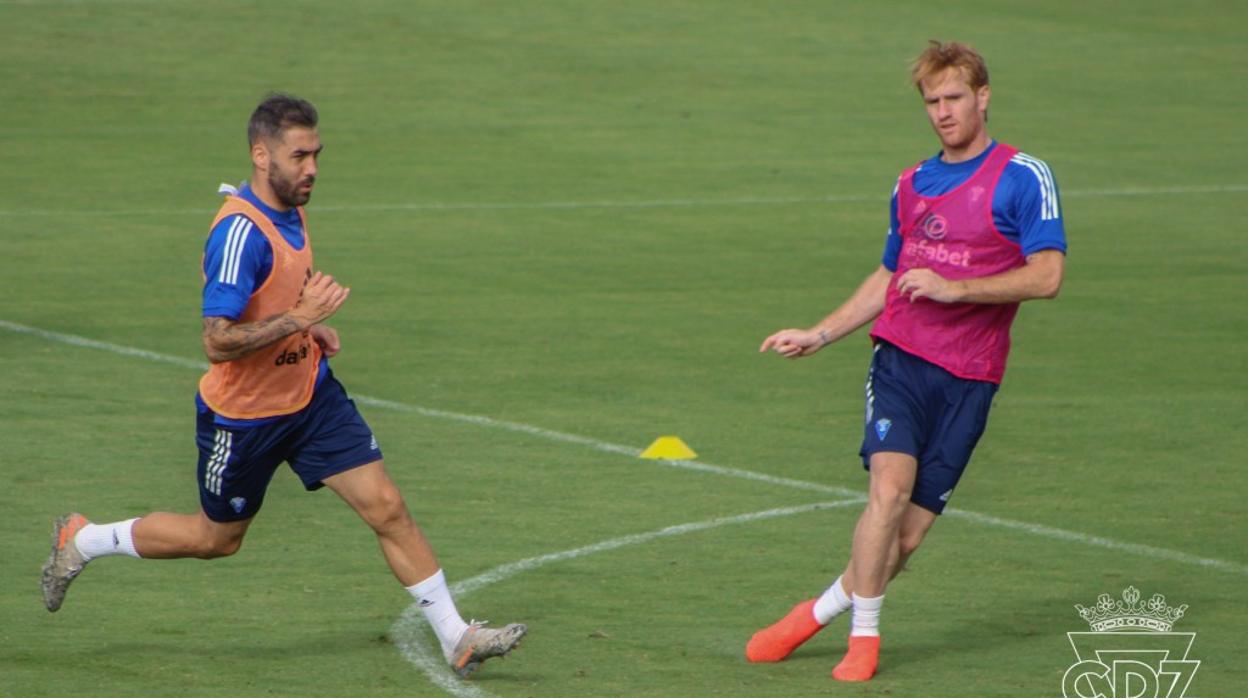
[[237, 261], [1025, 207]]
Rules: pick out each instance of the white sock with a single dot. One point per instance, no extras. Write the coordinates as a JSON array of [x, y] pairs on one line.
[[833, 603], [435, 602], [99, 540], [867, 615]]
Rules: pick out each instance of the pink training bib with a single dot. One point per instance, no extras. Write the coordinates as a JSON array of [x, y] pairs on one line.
[[954, 236]]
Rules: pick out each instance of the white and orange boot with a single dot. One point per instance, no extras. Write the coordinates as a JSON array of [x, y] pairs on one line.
[[65, 562]]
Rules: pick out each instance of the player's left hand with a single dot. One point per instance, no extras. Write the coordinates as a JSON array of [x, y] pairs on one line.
[[792, 343], [327, 337], [925, 283]]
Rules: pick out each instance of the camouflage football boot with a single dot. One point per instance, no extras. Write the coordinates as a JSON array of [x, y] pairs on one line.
[[479, 643], [65, 562]]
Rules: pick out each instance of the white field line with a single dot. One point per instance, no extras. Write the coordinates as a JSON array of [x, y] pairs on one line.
[[1099, 542], [409, 631], [1158, 191], [620, 204], [511, 569], [75, 340], [1148, 551]]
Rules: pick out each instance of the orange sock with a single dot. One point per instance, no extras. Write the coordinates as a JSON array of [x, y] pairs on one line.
[[777, 641], [861, 660]]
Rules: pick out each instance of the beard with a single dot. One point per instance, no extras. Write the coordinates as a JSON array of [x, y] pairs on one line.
[[286, 189]]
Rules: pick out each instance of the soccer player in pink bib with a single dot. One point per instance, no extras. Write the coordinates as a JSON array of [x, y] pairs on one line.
[[975, 230]]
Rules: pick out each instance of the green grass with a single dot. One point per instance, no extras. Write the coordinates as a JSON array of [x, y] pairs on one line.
[[616, 318]]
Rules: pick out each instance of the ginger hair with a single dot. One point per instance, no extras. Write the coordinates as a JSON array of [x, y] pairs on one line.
[[939, 57]]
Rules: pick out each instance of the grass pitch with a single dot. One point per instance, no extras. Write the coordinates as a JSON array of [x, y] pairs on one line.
[[583, 218]]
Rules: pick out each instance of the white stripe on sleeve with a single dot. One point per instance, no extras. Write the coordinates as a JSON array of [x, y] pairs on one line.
[[237, 255], [1048, 191], [1048, 176], [225, 249]]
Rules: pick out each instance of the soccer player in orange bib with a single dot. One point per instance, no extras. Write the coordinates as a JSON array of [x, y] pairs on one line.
[[269, 396], [975, 230]]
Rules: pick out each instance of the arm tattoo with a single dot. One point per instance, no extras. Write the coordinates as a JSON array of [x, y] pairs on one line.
[[226, 340]]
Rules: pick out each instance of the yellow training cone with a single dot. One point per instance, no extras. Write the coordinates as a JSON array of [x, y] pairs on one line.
[[669, 448]]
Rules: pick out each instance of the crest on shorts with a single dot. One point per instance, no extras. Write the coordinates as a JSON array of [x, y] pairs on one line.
[[237, 504], [882, 426]]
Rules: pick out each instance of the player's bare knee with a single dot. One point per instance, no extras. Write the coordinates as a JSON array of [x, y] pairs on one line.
[[889, 500], [218, 546], [387, 511], [217, 540]]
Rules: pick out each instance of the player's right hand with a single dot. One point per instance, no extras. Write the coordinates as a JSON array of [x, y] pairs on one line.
[[321, 298], [793, 343]]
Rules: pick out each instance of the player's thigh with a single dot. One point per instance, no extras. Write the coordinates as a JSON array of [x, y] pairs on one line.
[[369, 490], [893, 472], [222, 534], [362, 485]]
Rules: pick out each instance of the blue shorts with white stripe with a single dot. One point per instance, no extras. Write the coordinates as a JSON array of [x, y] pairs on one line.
[[920, 409], [236, 464]]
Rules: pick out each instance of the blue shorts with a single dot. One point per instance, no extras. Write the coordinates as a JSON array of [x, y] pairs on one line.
[[918, 408], [236, 464]]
